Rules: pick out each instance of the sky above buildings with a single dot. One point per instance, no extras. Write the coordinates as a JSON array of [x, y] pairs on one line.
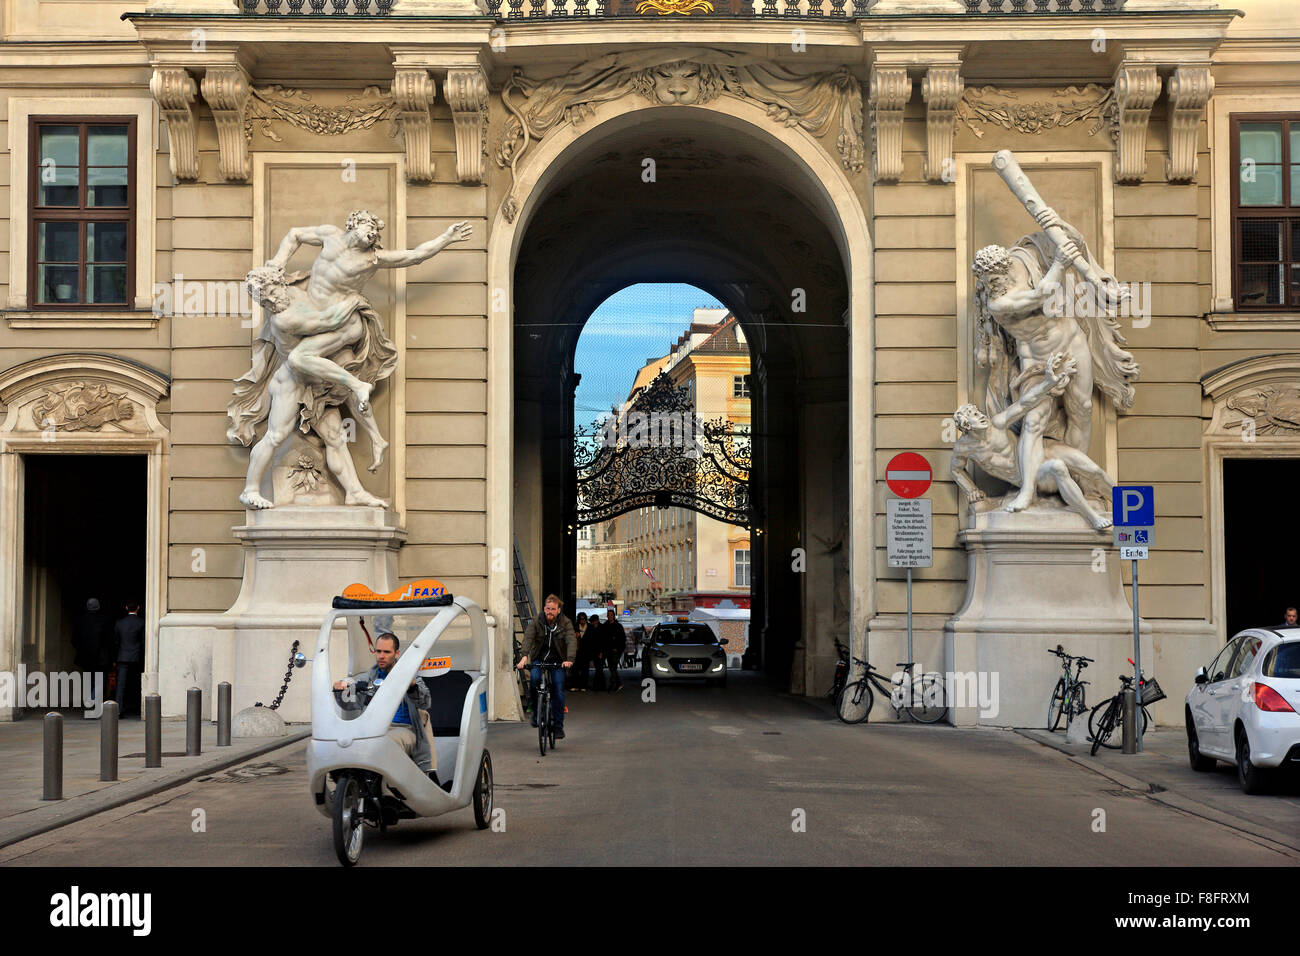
[[631, 326]]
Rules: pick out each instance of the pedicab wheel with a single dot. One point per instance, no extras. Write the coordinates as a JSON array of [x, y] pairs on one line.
[[349, 828], [483, 793]]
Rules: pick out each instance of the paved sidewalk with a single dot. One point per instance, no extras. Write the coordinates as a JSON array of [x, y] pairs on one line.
[[1163, 772], [24, 814]]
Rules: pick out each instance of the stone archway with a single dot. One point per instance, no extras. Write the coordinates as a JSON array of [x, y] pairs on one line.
[[811, 172], [81, 404]]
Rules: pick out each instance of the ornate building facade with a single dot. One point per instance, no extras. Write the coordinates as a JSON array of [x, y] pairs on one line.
[[824, 168]]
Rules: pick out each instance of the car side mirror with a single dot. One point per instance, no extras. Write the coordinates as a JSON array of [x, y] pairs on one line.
[[722, 640], [1201, 678]]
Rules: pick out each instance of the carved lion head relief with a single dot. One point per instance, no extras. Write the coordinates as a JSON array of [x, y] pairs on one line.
[[680, 83]]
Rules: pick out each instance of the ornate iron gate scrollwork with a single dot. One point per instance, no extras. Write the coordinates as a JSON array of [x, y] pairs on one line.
[[660, 454]]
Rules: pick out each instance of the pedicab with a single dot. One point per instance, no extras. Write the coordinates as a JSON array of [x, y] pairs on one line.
[[359, 776]]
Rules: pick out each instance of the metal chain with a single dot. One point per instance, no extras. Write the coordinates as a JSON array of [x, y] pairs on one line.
[[288, 676]]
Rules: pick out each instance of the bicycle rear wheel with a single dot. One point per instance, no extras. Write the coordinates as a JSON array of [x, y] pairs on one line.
[[928, 700], [854, 703], [1056, 706]]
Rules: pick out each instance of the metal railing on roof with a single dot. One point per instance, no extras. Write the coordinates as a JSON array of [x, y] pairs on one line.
[[665, 9]]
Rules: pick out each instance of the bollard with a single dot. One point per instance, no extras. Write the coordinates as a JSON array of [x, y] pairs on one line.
[[53, 757], [223, 714], [108, 742], [1128, 701], [153, 731], [193, 722]]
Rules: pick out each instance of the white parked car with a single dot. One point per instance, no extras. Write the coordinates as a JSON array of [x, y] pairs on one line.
[[1243, 707]]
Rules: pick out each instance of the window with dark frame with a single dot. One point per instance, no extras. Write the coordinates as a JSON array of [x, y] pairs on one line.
[[742, 567], [81, 212], [740, 386], [1266, 212]]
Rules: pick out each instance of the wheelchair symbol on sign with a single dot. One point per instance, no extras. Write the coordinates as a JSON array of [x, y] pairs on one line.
[[1140, 537]]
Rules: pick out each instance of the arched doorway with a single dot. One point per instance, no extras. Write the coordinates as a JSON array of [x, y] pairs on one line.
[[734, 206]]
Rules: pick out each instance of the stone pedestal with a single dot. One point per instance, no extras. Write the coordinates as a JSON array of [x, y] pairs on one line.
[[296, 559], [1035, 580]]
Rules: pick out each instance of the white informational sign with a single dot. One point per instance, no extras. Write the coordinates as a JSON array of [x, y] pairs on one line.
[[909, 530], [1132, 554], [1129, 537]]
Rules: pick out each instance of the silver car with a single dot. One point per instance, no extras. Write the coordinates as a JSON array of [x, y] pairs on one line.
[[685, 650]]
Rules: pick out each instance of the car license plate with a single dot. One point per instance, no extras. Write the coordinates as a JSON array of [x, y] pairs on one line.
[[692, 667]]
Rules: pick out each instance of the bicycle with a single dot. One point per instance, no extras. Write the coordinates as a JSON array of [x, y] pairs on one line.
[[545, 716], [1109, 714], [924, 698], [841, 671], [1068, 695]]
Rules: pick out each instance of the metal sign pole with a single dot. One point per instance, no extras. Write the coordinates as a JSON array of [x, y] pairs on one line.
[[1137, 663], [910, 659]]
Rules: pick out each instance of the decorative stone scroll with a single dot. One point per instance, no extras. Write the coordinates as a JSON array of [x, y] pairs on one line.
[[1136, 87], [815, 102], [413, 92], [174, 91], [226, 90], [891, 88], [1190, 89], [941, 89], [467, 94]]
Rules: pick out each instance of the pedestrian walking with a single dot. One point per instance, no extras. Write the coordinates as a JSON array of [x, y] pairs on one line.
[[128, 659], [93, 641], [614, 643]]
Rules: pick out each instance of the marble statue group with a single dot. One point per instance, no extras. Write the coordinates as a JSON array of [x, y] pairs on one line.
[[323, 347], [1043, 364]]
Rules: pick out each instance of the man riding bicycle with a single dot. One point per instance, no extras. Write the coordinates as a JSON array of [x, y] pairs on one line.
[[549, 640]]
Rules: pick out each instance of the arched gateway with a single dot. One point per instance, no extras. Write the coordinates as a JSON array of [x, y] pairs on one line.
[[758, 213]]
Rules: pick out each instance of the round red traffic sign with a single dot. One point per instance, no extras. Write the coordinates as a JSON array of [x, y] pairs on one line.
[[908, 475]]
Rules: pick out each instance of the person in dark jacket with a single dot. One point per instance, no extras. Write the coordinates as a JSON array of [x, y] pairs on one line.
[[592, 651], [549, 640], [128, 658], [577, 679], [93, 642], [613, 643]]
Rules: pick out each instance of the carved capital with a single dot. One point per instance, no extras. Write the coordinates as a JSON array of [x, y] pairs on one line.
[[174, 91], [1190, 89], [891, 88], [1136, 87], [941, 89], [226, 90], [414, 92], [467, 93]]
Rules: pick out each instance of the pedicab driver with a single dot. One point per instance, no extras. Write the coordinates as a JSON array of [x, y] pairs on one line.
[[415, 737], [549, 640]]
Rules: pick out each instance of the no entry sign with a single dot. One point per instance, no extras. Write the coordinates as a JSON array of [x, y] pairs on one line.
[[908, 475]]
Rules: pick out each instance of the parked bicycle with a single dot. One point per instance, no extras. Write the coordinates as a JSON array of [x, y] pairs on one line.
[[924, 698], [841, 670], [1068, 695], [545, 714], [1107, 716]]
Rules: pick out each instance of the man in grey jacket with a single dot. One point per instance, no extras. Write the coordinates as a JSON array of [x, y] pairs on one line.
[[412, 733]]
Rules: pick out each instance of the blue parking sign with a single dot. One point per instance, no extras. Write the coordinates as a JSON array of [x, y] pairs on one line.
[[1133, 505]]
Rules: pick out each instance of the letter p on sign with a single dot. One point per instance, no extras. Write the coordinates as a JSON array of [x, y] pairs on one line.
[[1134, 505]]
